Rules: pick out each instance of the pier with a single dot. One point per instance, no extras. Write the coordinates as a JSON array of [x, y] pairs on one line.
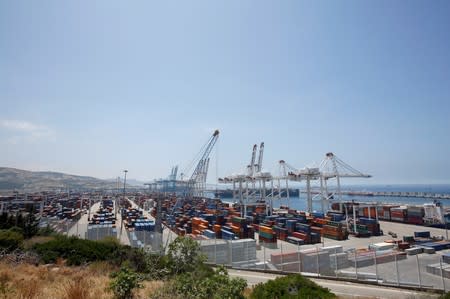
[[391, 194]]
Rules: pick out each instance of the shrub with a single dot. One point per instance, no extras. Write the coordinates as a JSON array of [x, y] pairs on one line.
[[291, 286], [76, 251], [10, 239], [445, 296], [204, 283], [124, 282], [46, 231], [156, 266], [184, 255]]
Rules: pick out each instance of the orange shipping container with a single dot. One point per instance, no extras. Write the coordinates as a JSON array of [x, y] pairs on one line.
[[265, 229]]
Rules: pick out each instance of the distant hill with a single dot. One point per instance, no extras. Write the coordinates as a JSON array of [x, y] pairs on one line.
[[23, 180]]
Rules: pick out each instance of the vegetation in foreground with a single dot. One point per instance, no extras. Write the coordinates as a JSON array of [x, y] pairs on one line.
[[290, 287], [63, 282], [69, 267], [445, 296]]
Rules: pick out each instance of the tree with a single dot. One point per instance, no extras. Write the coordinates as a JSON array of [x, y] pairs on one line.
[[30, 226], [184, 255]]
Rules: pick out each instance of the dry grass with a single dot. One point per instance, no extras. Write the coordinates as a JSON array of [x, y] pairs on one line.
[[102, 268], [247, 292], [61, 282], [149, 288]]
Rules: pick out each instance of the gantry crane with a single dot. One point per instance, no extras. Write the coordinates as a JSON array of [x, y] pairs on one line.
[[197, 181], [308, 174], [250, 195], [333, 167], [251, 166], [258, 166]]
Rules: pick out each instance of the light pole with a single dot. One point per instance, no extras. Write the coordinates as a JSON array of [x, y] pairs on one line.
[[124, 184]]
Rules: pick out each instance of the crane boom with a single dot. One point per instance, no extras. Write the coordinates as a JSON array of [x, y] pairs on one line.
[[260, 158], [210, 144], [251, 166], [197, 182]]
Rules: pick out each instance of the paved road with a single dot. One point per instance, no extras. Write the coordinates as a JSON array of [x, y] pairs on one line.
[[342, 289], [80, 227], [168, 235]]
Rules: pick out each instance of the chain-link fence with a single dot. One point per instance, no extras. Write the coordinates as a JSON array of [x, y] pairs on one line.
[[385, 267], [148, 240], [62, 226]]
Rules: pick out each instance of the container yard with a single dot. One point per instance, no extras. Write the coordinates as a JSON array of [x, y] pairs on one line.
[[139, 228], [103, 222], [222, 221]]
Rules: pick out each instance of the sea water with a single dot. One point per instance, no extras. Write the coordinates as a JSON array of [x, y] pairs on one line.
[[299, 202]]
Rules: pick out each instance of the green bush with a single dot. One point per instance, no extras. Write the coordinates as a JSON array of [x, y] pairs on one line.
[[124, 282], [445, 296], [184, 255], [10, 239], [46, 231], [291, 286], [79, 251], [156, 266], [75, 250], [204, 283]]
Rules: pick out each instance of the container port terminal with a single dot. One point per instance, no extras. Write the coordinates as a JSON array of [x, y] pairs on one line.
[[286, 241], [381, 243]]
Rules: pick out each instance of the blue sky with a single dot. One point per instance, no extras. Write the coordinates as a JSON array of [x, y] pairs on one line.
[[93, 88]]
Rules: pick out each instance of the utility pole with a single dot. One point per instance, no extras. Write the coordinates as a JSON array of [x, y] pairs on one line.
[[158, 220], [124, 190], [124, 183]]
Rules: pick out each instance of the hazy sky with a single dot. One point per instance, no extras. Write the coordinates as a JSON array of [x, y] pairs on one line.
[[94, 87]]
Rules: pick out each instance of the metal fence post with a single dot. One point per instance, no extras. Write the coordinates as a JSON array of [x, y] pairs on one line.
[[299, 260], [335, 262], [376, 264], [231, 253], [418, 271], [317, 261], [396, 270], [281, 247], [215, 249], [442, 273], [264, 254], [356, 264]]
